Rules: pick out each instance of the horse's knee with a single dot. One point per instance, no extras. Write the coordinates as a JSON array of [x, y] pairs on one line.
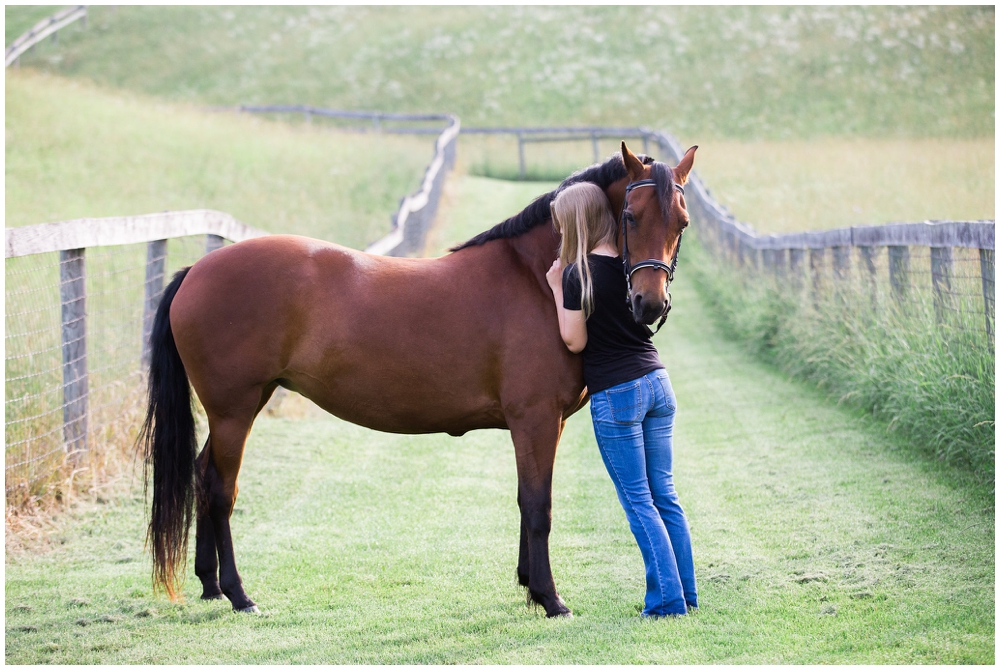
[[537, 517]]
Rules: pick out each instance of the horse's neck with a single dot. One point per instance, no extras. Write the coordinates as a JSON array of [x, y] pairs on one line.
[[537, 248]]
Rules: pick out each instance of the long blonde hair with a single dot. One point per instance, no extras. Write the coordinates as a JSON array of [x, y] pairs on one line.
[[582, 214]]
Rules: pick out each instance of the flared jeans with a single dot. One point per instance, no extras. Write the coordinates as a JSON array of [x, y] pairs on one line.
[[634, 424]]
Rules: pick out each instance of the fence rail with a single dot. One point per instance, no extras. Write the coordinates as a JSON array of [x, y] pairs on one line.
[[49, 26]]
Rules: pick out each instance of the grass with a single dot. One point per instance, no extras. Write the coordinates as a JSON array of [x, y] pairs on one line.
[[926, 370], [75, 150], [699, 72], [818, 537]]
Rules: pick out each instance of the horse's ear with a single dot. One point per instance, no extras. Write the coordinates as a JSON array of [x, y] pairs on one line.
[[684, 167], [632, 163]]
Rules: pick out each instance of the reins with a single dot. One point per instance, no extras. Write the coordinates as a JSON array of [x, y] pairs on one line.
[[650, 262]]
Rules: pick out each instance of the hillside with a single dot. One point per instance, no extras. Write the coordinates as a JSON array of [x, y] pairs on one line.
[[719, 72], [74, 149]]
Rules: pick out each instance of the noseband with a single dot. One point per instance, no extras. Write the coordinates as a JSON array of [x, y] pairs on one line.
[[650, 262]]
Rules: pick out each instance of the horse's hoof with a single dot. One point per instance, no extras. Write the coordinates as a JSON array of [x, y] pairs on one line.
[[561, 615], [211, 596], [249, 610]]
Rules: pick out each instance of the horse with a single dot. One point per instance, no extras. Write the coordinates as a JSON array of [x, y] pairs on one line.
[[466, 341]]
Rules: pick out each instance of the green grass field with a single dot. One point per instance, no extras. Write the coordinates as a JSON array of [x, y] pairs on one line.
[[818, 538], [700, 72], [820, 534]]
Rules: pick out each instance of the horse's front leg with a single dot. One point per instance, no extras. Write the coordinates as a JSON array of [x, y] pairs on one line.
[[535, 439]]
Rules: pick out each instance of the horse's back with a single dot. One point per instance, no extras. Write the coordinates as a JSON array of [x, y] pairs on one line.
[[404, 345]]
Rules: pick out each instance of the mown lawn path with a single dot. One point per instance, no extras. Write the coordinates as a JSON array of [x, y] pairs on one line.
[[818, 538]]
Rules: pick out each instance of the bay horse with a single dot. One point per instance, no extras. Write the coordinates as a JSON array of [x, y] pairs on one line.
[[452, 344]]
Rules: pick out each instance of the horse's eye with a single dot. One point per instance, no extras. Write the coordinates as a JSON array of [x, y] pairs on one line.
[[630, 219]]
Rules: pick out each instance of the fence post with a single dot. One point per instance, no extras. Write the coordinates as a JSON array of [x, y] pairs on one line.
[[213, 242], [156, 261], [520, 155], [987, 270], [868, 261], [645, 144], [816, 273], [941, 270], [73, 300], [795, 263], [899, 271], [779, 262], [841, 262], [597, 151]]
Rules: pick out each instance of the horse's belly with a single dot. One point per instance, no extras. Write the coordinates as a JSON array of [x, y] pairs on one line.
[[402, 407]]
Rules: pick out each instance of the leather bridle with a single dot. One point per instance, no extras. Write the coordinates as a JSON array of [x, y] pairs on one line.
[[649, 262]]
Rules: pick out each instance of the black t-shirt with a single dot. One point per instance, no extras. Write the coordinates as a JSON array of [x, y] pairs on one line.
[[618, 349]]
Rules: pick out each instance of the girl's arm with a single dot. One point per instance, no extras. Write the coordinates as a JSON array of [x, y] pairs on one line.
[[572, 325]]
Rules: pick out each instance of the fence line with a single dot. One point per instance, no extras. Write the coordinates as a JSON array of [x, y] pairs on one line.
[[725, 236], [49, 26], [80, 300]]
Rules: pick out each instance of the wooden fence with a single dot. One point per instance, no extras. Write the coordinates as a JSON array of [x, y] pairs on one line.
[[49, 26], [788, 255], [121, 293]]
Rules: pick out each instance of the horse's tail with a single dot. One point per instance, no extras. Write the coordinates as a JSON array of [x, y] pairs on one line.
[[167, 439]]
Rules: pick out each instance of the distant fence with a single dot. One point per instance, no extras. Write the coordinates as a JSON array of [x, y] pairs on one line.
[[416, 211], [951, 261], [80, 300], [50, 26]]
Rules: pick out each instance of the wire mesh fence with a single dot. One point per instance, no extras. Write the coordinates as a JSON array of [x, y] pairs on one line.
[[74, 344]]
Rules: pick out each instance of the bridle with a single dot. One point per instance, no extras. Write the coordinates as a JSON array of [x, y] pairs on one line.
[[650, 262]]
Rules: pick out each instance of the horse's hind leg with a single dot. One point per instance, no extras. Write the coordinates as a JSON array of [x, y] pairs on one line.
[[206, 562], [206, 559], [535, 441]]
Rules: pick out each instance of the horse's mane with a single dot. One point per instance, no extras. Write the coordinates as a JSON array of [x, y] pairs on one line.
[[603, 174]]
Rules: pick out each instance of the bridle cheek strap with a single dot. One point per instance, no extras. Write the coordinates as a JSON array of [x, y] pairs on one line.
[[649, 263]]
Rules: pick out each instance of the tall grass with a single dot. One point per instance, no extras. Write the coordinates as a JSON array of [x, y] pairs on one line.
[[926, 370]]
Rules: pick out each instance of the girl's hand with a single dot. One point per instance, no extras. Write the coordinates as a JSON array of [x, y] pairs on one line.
[[554, 276]]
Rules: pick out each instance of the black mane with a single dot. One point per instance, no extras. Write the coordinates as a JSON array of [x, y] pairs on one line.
[[537, 213]]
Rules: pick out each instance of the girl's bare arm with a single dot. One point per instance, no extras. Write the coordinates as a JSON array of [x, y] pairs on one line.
[[572, 326]]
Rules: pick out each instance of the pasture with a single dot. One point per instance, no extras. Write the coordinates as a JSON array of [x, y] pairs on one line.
[[818, 539], [821, 535]]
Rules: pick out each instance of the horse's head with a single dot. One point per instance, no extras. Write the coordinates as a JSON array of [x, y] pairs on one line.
[[654, 214]]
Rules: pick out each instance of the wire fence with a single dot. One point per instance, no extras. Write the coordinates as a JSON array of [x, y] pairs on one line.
[[74, 338], [80, 297]]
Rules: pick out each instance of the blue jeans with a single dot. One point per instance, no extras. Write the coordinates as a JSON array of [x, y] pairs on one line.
[[634, 424]]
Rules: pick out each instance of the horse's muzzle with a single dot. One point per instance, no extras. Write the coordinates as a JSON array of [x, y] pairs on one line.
[[647, 311]]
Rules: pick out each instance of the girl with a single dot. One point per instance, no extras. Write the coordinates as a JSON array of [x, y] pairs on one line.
[[631, 401]]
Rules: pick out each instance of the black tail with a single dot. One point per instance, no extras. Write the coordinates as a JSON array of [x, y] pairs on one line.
[[168, 442]]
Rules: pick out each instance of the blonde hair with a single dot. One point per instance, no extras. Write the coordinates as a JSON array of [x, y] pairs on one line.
[[582, 214]]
